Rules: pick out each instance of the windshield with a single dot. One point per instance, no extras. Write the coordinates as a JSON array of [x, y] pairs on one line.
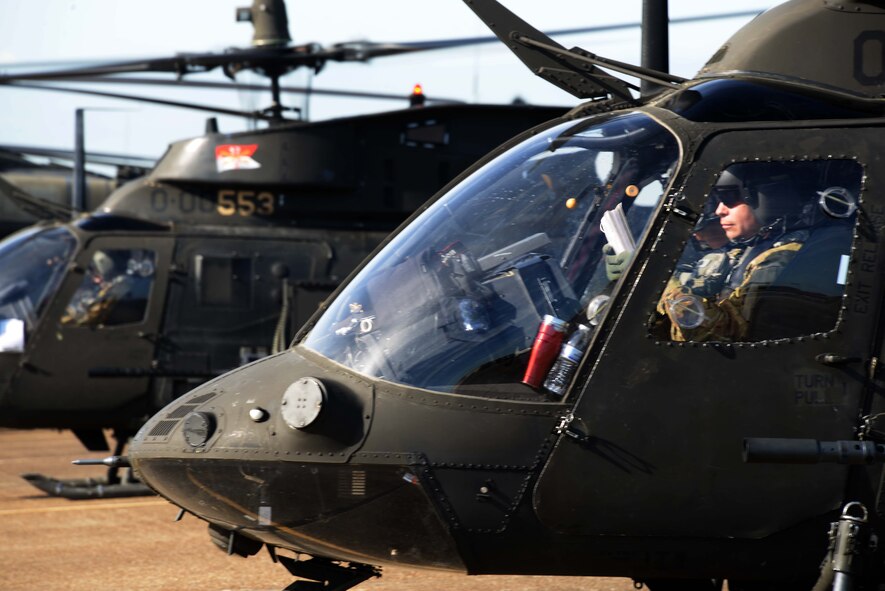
[[454, 303], [32, 263]]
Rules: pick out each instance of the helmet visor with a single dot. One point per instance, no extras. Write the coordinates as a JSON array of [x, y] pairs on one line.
[[728, 195]]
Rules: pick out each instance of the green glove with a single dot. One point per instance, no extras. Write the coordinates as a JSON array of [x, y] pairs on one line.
[[615, 263]]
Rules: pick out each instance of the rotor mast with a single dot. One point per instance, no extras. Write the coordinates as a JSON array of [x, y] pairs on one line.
[[655, 42], [271, 31]]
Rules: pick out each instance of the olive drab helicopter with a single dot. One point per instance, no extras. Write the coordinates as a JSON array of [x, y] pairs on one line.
[[32, 188], [501, 390], [218, 254]]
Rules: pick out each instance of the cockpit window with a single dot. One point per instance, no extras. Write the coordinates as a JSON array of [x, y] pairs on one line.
[[32, 263], [769, 256], [455, 301], [114, 290]]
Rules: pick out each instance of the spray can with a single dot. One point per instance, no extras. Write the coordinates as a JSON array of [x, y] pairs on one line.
[[547, 343], [569, 357]]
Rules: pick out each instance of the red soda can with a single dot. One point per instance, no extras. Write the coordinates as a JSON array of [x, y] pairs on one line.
[[544, 350]]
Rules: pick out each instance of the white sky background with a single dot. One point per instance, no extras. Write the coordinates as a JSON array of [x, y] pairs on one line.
[[110, 30]]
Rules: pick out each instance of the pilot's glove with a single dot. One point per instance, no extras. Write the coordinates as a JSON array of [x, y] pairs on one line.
[[685, 309], [615, 263]]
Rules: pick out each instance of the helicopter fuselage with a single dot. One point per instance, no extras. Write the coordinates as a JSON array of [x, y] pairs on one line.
[[394, 435]]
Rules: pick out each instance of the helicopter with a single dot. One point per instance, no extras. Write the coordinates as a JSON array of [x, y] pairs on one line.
[[553, 368], [217, 254], [29, 175]]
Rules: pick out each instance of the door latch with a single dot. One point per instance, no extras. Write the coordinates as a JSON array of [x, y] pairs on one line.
[[564, 427]]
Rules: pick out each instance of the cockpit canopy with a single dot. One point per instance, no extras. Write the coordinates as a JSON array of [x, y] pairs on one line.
[[32, 263], [454, 302]]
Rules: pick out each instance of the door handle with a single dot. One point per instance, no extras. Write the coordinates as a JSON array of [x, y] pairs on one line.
[[835, 359]]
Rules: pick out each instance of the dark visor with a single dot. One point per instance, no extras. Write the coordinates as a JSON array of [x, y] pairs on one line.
[[728, 195]]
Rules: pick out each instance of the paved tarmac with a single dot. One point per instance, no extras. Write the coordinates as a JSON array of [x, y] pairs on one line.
[[134, 544]]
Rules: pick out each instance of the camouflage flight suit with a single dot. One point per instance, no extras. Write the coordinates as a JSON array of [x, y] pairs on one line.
[[716, 300], [90, 309]]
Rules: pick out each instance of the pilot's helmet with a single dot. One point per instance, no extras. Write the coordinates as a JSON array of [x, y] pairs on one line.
[[102, 263], [766, 187]]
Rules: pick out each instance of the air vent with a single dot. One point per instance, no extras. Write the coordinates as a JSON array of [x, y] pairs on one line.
[[202, 398], [161, 431], [182, 411], [352, 484]]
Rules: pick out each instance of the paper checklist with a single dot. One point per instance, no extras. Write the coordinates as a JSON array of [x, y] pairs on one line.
[[617, 232]]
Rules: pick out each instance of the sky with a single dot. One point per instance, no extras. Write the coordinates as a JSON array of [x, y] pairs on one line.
[[63, 31]]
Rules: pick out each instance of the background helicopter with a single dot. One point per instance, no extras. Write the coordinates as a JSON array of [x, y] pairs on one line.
[[211, 259], [51, 177], [404, 427], [219, 297]]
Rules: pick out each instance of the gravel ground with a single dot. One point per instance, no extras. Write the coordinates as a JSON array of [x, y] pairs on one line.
[[133, 544]]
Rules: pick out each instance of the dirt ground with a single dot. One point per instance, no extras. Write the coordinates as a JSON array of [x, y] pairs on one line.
[[134, 544]]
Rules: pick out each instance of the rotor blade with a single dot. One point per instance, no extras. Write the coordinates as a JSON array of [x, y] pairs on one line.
[[255, 87], [274, 59], [467, 41], [93, 157], [186, 63], [576, 71], [39, 208], [219, 110], [585, 82], [175, 65], [579, 54], [311, 54]]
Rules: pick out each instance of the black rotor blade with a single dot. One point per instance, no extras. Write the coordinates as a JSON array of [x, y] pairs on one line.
[[585, 81], [281, 59], [177, 65], [576, 71], [40, 208], [468, 41], [181, 64], [92, 157], [141, 99], [254, 87]]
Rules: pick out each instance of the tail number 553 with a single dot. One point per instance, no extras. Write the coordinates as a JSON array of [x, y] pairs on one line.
[[245, 203]]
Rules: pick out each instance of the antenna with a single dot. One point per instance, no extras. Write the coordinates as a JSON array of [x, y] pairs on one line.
[[78, 190]]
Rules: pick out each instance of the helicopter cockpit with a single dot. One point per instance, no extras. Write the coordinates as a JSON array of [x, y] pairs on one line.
[[777, 267], [114, 290], [32, 263], [453, 304]]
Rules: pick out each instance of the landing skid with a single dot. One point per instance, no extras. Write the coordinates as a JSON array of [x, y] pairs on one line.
[[113, 485], [325, 575], [88, 488]]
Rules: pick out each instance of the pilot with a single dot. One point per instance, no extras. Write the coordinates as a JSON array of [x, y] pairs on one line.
[[102, 287], [760, 215]]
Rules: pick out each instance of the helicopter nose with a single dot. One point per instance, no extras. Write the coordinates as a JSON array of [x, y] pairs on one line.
[[270, 451]]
